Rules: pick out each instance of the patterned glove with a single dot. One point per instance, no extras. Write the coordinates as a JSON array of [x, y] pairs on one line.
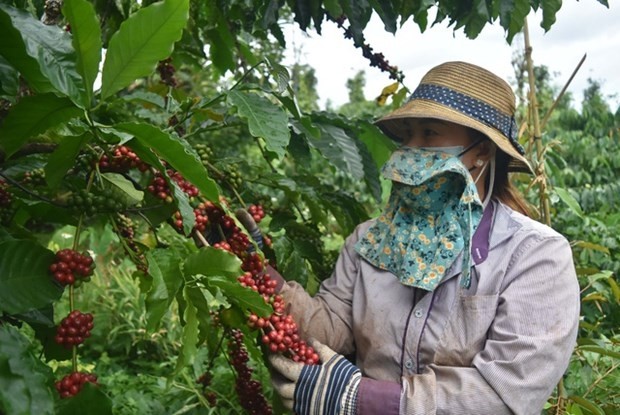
[[326, 389]]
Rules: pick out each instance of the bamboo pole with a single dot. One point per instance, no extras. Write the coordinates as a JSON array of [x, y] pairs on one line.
[[539, 169], [555, 103]]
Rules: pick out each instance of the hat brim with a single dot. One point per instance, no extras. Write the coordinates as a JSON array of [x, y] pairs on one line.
[[395, 126]]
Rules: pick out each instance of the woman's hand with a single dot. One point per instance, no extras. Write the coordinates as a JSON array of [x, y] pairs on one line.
[[328, 388]]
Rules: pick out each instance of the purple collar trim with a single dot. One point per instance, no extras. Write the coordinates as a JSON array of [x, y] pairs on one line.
[[480, 240]]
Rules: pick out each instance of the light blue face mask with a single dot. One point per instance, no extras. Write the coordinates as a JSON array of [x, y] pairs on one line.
[[432, 214]]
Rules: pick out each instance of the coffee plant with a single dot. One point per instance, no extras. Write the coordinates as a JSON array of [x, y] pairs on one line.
[[155, 169]]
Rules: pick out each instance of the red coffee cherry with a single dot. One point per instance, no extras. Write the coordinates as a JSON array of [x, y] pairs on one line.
[[74, 329], [71, 384], [70, 267]]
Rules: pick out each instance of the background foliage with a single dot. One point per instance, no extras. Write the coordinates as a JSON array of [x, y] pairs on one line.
[[196, 89]]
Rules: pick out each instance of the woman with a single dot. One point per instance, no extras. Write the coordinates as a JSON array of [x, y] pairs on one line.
[[453, 301]]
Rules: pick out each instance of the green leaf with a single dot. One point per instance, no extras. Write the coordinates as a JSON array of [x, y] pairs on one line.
[[181, 156], [51, 349], [221, 46], [189, 337], [512, 14], [90, 400], [418, 9], [600, 350], [477, 19], [549, 8], [196, 296], [32, 116], [242, 297], [24, 379], [211, 261], [182, 202], [131, 195], [615, 290], [303, 12], [346, 209], [333, 7], [338, 148], [265, 120], [49, 45], [592, 246], [142, 40], [590, 406], [291, 265], [385, 10], [358, 12], [281, 76], [570, 201], [165, 268], [86, 41], [25, 282], [146, 96], [61, 160], [16, 53], [9, 78]]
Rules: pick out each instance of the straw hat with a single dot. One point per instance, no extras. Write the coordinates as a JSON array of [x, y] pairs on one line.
[[464, 94]]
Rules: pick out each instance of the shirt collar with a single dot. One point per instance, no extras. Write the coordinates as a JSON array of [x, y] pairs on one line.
[[480, 240]]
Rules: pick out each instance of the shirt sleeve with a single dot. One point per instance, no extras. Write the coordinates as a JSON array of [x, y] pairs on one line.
[[328, 315], [528, 347]]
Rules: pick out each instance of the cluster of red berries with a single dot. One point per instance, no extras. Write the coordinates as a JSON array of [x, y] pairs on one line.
[[5, 195], [280, 332], [71, 384], [74, 329], [202, 218], [250, 391], [209, 215], [123, 158], [257, 212], [160, 189], [71, 267], [223, 245]]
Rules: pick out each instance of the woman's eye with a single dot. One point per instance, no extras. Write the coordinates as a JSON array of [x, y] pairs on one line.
[[429, 132]]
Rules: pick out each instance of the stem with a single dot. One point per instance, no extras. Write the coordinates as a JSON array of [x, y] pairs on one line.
[[223, 177], [216, 351], [220, 96], [237, 195], [262, 150], [221, 232], [555, 103], [200, 237], [562, 398], [148, 222], [540, 166], [76, 241], [245, 75], [201, 398], [28, 191], [597, 381]]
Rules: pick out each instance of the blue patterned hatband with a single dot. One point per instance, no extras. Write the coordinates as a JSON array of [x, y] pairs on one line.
[[471, 107]]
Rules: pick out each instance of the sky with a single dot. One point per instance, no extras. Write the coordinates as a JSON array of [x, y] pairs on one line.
[[581, 27]]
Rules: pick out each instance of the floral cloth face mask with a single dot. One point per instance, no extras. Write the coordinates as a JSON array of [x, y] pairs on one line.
[[430, 218]]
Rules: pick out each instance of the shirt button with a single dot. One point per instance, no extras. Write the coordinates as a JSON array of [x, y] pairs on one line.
[[418, 313], [408, 364]]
